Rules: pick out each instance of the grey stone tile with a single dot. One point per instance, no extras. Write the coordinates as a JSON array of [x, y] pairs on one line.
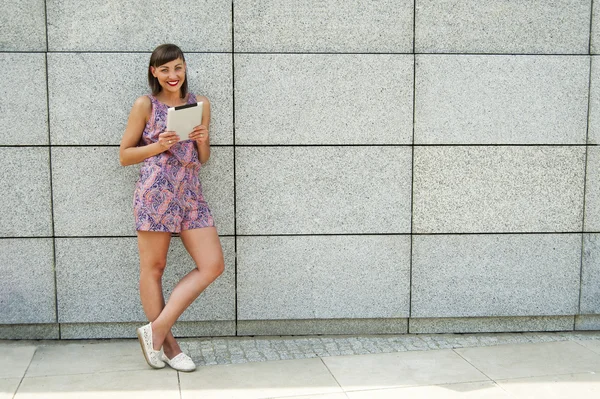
[[324, 26], [531, 360], [25, 179], [24, 115], [590, 275], [136, 25], [459, 26], [29, 331], [587, 322], [327, 326], [322, 277], [93, 193], [483, 99], [594, 107], [498, 189], [16, 359], [324, 99], [592, 190], [134, 384], [572, 385], [595, 33], [27, 269], [288, 190], [259, 380], [489, 324], [471, 390], [495, 275], [394, 370], [76, 122], [105, 330], [23, 26], [8, 387], [87, 294]]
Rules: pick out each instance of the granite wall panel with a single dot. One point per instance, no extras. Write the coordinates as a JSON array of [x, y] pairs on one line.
[[502, 99], [521, 26], [25, 181], [324, 99], [23, 103], [93, 193], [138, 25], [27, 294], [329, 277], [98, 281], [323, 190], [23, 25], [323, 26], [493, 189], [73, 119], [495, 275]]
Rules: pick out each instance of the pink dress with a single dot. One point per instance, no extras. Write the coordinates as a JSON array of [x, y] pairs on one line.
[[168, 195]]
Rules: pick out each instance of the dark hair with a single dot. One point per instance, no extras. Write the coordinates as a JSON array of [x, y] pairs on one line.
[[160, 56]]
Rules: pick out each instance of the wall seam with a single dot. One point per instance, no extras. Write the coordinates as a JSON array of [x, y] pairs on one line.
[[50, 171], [235, 258], [585, 164], [412, 170]]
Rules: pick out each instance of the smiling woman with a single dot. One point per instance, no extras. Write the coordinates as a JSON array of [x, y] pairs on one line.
[[168, 199]]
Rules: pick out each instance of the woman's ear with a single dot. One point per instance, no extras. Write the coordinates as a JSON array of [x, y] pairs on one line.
[[152, 69]]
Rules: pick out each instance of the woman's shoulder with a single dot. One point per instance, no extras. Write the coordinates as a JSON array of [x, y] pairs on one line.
[[143, 101], [200, 98]]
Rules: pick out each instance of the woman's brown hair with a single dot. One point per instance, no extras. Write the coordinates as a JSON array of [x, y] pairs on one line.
[[160, 56]]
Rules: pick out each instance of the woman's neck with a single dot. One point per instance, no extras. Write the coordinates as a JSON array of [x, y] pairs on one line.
[[171, 99]]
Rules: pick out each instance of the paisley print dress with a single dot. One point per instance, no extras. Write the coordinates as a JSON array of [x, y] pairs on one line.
[[168, 195]]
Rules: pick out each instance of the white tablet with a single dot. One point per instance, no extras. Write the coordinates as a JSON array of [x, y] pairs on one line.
[[183, 119]]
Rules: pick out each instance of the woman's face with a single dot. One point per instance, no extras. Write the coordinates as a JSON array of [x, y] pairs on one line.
[[170, 75]]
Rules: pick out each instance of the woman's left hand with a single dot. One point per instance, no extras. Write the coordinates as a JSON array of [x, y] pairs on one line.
[[200, 134]]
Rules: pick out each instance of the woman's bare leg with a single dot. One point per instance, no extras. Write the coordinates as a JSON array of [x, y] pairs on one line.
[[205, 249], [153, 247]]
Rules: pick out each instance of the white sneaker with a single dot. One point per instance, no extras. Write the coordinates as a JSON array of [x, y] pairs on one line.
[[153, 357], [181, 362]]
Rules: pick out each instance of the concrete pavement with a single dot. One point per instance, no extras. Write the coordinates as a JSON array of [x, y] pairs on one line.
[[543, 365]]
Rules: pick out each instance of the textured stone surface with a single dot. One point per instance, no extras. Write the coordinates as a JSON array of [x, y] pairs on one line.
[[323, 277], [322, 326], [23, 102], [288, 190], [590, 277], [138, 25], [25, 183], [498, 189], [595, 33], [489, 324], [522, 26], [88, 294], [128, 330], [592, 190], [23, 26], [29, 331], [93, 193], [74, 120], [26, 268], [476, 99], [323, 26], [594, 111], [323, 99], [495, 275], [587, 322]]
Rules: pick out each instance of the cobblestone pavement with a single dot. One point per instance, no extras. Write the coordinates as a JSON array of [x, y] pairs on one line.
[[210, 351]]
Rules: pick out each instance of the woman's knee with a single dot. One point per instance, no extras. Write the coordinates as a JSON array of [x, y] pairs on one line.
[[154, 269], [215, 269]]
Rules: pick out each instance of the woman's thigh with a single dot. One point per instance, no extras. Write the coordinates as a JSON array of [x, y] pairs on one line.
[[204, 247], [153, 247]]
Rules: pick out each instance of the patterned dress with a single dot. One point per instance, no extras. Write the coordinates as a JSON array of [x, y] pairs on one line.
[[168, 195]]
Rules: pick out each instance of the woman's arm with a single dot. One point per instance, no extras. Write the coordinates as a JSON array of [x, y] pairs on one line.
[[200, 133], [129, 152]]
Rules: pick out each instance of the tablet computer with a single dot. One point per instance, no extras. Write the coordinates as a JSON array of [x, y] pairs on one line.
[[184, 118]]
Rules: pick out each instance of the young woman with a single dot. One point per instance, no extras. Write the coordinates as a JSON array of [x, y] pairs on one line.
[[168, 199]]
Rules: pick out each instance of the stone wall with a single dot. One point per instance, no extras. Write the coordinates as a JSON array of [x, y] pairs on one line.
[[377, 166]]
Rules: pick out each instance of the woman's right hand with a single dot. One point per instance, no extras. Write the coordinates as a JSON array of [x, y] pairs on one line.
[[168, 139]]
